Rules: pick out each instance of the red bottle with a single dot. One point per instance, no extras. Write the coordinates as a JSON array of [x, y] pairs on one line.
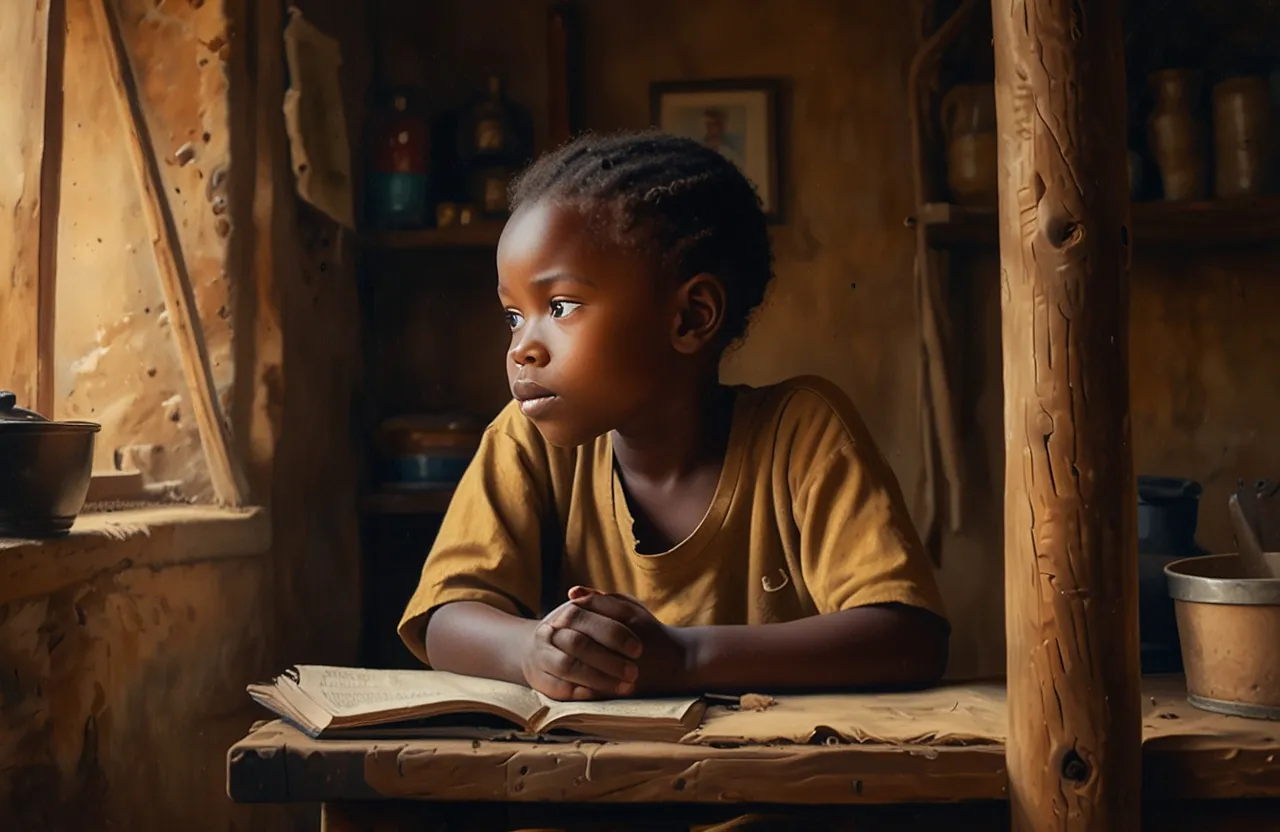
[[400, 141]]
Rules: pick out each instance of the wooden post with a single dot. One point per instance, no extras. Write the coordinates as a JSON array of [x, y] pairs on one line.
[[1074, 745]]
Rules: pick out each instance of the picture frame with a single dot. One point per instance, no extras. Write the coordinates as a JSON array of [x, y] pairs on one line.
[[738, 115]]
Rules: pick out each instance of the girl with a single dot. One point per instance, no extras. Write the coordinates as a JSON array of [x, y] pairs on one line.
[[630, 525]]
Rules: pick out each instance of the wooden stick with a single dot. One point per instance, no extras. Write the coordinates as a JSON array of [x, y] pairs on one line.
[[1071, 600], [937, 401], [224, 468], [562, 73], [50, 199], [1250, 550]]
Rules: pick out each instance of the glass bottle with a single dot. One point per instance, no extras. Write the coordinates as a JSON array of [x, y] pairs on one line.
[[399, 166], [491, 148]]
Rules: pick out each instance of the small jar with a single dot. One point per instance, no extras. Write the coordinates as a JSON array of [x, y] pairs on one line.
[[1242, 132]]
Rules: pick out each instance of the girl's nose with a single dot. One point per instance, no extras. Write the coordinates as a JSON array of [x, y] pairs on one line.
[[528, 350]]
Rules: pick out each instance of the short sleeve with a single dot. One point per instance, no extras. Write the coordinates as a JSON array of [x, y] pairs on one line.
[[858, 545], [489, 545]]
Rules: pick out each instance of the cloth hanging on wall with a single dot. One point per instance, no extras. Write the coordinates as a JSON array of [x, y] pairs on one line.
[[315, 120]]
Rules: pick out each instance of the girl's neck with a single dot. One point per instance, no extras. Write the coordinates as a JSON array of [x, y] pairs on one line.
[[687, 432]]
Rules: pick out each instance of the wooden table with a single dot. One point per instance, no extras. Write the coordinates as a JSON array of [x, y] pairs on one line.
[[904, 765]]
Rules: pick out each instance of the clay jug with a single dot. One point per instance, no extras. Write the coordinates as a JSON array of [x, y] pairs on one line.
[[1242, 133], [969, 125], [1176, 135]]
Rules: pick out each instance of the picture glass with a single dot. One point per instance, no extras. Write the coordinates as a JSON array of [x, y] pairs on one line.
[[734, 122]]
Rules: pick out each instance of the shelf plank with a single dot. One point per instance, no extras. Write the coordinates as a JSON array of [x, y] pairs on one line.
[[1218, 223], [434, 501], [478, 235]]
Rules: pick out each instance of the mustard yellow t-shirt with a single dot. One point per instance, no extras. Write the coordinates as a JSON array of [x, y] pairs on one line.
[[807, 518]]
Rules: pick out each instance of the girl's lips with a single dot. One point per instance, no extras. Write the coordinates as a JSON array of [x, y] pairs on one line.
[[536, 406], [533, 397]]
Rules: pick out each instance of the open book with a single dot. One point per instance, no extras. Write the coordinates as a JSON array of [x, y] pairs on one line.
[[328, 701]]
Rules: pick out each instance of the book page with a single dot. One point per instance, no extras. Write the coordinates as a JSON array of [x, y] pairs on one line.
[[357, 692], [614, 710]]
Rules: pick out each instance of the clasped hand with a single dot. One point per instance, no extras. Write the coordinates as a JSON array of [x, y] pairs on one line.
[[601, 645]]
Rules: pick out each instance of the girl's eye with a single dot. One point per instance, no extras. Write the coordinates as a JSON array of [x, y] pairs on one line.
[[514, 319], [563, 308]]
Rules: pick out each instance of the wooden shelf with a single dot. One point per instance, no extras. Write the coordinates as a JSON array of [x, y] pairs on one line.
[[1229, 222], [434, 501], [478, 235]]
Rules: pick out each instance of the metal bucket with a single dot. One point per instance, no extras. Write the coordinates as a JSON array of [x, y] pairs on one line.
[[1230, 632]]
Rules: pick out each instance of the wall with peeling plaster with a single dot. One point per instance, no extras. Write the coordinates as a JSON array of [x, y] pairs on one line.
[[119, 697], [116, 360]]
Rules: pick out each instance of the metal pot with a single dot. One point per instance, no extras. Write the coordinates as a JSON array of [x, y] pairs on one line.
[[44, 471], [1230, 629]]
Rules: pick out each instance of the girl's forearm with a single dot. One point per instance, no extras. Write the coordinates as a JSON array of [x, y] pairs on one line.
[[475, 639], [874, 646]]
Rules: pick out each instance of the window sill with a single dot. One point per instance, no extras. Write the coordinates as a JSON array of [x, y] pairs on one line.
[[153, 537]]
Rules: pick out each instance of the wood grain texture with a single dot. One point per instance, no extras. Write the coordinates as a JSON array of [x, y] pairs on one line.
[[108, 543], [1188, 754], [277, 763], [225, 469], [1074, 746], [50, 191], [23, 58]]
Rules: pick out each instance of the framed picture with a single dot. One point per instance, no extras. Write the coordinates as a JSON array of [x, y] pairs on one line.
[[738, 117]]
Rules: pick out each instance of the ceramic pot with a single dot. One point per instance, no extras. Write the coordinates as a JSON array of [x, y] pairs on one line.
[[427, 451], [1176, 137], [44, 471], [1242, 136], [969, 126]]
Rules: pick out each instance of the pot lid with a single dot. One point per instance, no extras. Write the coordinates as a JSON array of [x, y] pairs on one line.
[[11, 414], [1154, 490]]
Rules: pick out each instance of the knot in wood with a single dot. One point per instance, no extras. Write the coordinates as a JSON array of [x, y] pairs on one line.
[[1074, 768], [1044, 423], [1063, 233]]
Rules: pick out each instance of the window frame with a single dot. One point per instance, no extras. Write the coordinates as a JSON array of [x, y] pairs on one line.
[[30, 315]]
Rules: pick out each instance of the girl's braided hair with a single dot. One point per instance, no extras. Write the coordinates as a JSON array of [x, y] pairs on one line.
[[672, 197]]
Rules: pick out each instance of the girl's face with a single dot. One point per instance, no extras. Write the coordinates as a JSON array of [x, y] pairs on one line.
[[592, 325]]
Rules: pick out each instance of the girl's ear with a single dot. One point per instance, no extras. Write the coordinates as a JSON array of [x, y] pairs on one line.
[[700, 308]]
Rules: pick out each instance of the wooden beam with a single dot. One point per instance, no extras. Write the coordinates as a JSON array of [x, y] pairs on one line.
[[50, 199], [111, 542], [225, 469], [1074, 746], [562, 73], [24, 48]]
